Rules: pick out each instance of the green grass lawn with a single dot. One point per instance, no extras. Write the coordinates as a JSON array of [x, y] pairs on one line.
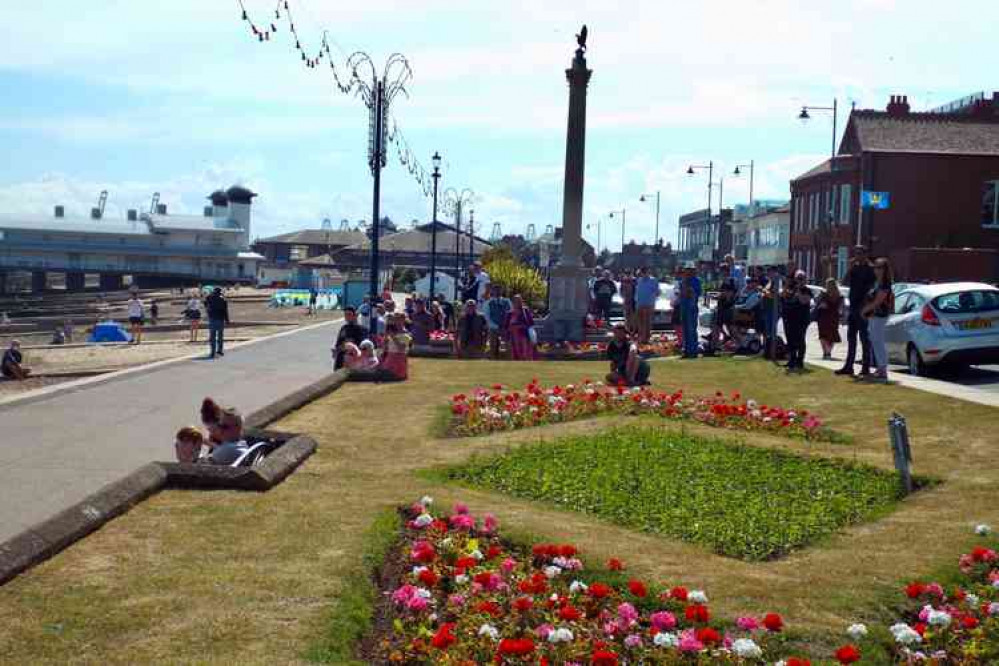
[[741, 501]]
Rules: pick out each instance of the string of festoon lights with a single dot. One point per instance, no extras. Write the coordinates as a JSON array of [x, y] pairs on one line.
[[312, 59]]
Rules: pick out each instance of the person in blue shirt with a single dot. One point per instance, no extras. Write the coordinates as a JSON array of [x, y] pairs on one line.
[[646, 294], [690, 293]]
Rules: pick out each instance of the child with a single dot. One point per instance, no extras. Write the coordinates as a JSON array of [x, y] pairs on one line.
[[368, 359], [397, 342], [188, 444], [351, 356]]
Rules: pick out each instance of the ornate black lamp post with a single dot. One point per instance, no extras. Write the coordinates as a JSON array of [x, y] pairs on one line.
[[436, 159]]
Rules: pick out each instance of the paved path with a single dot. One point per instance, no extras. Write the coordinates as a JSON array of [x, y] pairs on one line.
[[56, 450]]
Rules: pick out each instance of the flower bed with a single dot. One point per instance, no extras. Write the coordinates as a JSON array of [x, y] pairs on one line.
[[659, 345], [496, 409], [741, 501], [464, 596], [941, 626]]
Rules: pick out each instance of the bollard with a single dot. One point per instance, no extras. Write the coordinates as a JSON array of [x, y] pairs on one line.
[[898, 431]]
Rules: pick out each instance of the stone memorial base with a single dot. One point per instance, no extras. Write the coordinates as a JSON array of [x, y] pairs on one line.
[[569, 301]]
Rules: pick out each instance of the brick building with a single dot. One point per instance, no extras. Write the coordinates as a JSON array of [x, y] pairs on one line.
[[941, 171]]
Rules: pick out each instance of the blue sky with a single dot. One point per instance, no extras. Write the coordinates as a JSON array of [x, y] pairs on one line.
[[143, 96]]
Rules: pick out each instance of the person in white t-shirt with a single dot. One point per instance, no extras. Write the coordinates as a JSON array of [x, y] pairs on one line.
[[136, 317]]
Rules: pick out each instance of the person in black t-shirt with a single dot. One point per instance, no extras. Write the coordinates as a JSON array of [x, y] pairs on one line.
[[351, 331], [860, 279], [796, 308], [603, 295], [626, 366]]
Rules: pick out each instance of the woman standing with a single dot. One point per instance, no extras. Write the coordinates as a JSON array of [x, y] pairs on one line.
[[878, 307], [193, 315], [829, 308], [520, 327]]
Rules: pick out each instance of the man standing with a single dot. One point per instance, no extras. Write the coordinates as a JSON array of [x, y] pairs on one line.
[[646, 294], [497, 307], [860, 280], [603, 295], [217, 309], [690, 293], [351, 331], [472, 330]]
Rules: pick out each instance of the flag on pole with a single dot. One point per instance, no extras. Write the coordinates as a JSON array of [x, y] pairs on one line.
[[875, 200]]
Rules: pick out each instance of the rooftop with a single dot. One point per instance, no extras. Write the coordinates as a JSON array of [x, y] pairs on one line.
[[83, 225], [316, 237]]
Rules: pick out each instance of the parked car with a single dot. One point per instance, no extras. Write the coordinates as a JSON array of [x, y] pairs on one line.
[[954, 324], [662, 318]]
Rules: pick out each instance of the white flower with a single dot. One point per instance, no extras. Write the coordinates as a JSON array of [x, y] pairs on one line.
[[423, 520], [856, 631], [666, 639], [426, 500], [432, 618], [560, 635], [490, 631], [461, 579], [552, 571], [697, 597], [994, 608], [418, 570], [995, 583], [477, 554], [423, 592], [938, 618], [750, 404], [906, 635], [577, 587], [983, 529], [747, 648], [972, 599]]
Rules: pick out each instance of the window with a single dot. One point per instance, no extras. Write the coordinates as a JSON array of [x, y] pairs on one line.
[[990, 204], [901, 303], [845, 203], [966, 302], [842, 261], [298, 252]]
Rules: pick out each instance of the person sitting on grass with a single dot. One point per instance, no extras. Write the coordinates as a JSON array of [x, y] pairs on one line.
[[11, 366], [473, 331], [627, 367], [188, 444]]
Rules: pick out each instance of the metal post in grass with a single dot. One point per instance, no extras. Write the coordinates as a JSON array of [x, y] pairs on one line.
[[898, 430]]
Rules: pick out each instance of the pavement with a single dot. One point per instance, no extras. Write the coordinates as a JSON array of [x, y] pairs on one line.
[[64, 443]]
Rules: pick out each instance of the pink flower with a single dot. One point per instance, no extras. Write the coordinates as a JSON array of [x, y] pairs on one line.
[[456, 600], [404, 594], [463, 522], [417, 604], [543, 631], [747, 623], [489, 523], [508, 565], [663, 621], [633, 641], [627, 613], [689, 642], [461, 508]]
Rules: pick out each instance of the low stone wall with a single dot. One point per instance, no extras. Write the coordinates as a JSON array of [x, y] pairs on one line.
[[38, 543]]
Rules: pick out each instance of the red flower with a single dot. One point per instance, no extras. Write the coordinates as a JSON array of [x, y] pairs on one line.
[[497, 387], [599, 590], [567, 550], [614, 564], [796, 661], [773, 622], [604, 658], [489, 608], [919, 628], [637, 588], [428, 577], [466, 563], [697, 613], [516, 646], [444, 638], [847, 654], [423, 551], [494, 551], [569, 613], [969, 622], [523, 604], [708, 636], [914, 590], [679, 593]]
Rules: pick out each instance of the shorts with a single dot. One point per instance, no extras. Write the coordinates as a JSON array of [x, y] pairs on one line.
[[137, 321], [192, 315]]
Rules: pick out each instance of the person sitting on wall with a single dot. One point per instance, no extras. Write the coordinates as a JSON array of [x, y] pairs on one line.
[[11, 365], [421, 323], [351, 332], [473, 331], [189, 442], [228, 431], [369, 358], [627, 367]]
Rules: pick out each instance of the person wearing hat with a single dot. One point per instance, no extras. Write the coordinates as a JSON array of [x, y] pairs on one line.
[[217, 309], [627, 367], [473, 331]]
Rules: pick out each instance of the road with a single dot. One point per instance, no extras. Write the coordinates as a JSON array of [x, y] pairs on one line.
[[57, 450]]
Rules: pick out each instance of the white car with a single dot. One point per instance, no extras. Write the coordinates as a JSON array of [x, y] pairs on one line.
[[954, 324], [662, 318]]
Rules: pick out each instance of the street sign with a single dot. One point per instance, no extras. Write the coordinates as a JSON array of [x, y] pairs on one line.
[[875, 200]]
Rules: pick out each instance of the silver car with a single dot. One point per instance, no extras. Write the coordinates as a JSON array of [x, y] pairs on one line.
[[955, 324]]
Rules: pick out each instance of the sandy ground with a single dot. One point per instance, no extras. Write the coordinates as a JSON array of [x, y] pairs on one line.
[[247, 305]]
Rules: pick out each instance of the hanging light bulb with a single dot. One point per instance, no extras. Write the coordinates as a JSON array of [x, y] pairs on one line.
[[267, 36], [277, 13], [273, 28], [260, 36], [286, 4], [245, 17], [298, 45]]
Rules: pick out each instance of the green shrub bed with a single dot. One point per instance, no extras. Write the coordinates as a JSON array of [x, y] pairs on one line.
[[741, 501]]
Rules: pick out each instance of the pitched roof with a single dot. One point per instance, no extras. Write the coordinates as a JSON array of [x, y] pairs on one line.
[[420, 240], [878, 131], [316, 237]]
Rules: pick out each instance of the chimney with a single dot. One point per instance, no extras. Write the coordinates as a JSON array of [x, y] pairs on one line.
[[95, 213], [161, 209], [133, 215], [898, 106], [60, 211]]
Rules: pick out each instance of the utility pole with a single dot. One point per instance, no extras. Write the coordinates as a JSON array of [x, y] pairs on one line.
[[436, 160]]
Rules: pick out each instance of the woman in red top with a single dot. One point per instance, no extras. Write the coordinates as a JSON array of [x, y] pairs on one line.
[[520, 325]]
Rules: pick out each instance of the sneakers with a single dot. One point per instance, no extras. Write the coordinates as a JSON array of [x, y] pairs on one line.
[[847, 372]]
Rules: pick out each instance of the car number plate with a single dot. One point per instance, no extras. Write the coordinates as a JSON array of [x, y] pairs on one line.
[[976, 324]]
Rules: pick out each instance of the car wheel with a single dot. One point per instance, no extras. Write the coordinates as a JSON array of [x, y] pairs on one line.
[[915, 362]]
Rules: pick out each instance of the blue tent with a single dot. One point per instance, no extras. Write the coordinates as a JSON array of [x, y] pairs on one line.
[[109, 331]]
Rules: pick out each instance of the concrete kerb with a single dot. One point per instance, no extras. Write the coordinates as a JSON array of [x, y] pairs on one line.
[[68, 387], [42, 541]]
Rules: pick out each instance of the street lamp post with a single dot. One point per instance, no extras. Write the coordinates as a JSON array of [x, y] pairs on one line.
[[454, 201], [611, 215], [710, 166], [752, 169], [599, 222], [436, 160], [804, 117], [646, 197]]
